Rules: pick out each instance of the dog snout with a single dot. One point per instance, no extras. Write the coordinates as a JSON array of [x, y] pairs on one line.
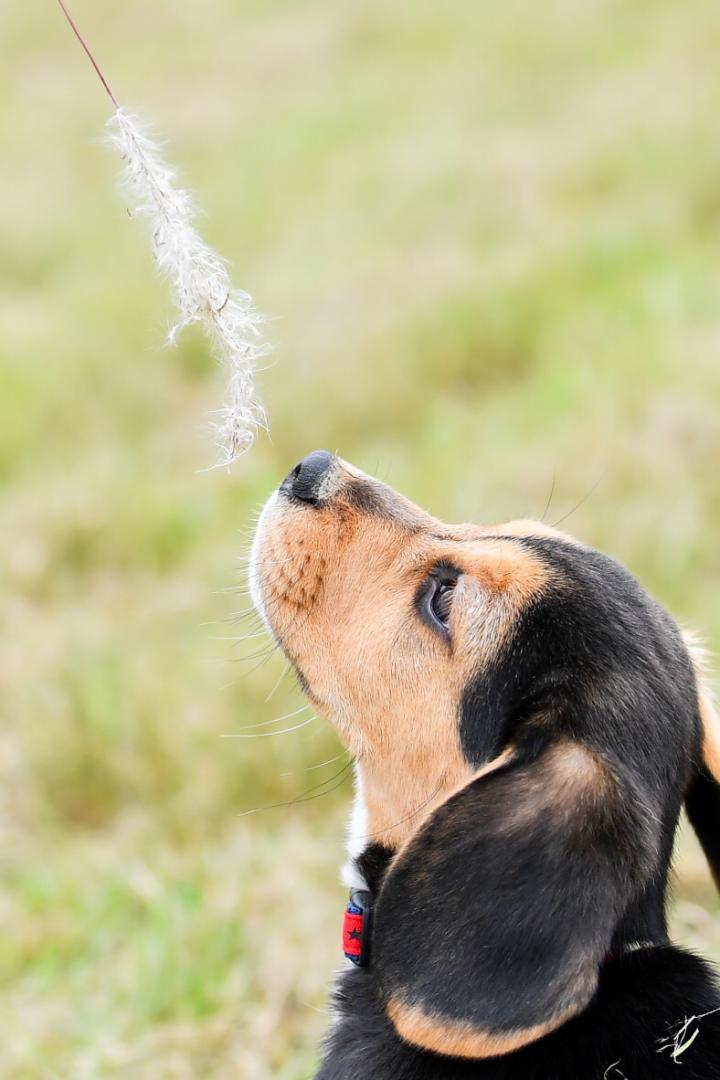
[[312, 478]]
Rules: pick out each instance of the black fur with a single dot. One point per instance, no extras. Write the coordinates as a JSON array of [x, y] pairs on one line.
[[642, 1001], [373, 864], [505, 928]]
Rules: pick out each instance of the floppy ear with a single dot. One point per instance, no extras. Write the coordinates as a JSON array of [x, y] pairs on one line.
[[494, 919]]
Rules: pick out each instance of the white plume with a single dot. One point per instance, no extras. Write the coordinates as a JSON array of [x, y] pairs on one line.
[[200, 283]]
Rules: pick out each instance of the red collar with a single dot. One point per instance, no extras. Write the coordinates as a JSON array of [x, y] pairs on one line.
[[357, 926]]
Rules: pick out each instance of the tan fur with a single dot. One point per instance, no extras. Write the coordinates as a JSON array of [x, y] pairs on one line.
[[569, 776], [460, 1039], [329, 573], [708, 713], [574, 771]]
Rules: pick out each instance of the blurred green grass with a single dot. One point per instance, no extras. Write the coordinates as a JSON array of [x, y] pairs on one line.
[[492, 233]]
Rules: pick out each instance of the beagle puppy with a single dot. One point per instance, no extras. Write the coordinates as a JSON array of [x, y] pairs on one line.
[[527, 725]]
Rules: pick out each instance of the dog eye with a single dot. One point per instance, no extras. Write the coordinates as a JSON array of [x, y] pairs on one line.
[[441, 601], [435, 596]]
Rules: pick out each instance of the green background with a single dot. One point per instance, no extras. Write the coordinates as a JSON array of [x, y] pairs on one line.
[[491, 235]]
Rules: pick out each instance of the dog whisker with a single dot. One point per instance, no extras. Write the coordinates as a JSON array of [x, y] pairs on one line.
[[262, 661], [269, 734], [238, 639], [283, 673], [277, 720], [549, 498], [311, 768], [580, 502], [307, 796]]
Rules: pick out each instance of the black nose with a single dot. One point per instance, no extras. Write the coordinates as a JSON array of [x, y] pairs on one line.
[[305, 480]]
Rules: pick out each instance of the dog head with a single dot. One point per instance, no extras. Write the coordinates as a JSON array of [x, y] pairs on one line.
[[525, 720]]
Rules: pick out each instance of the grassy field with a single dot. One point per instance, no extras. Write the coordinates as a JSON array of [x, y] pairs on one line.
[[491, 233]]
